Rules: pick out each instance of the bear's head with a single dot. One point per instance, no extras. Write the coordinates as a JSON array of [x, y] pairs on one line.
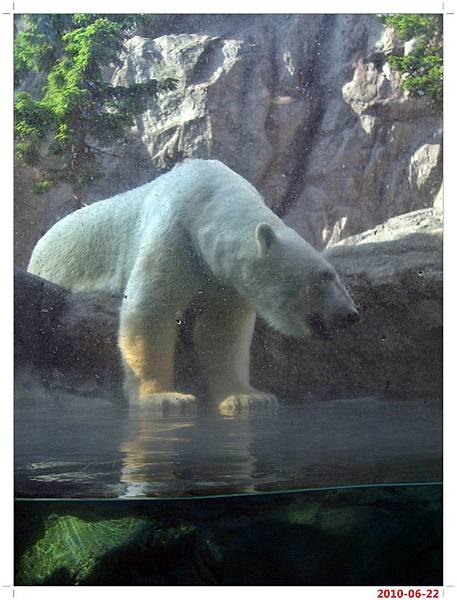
[[294, 288]]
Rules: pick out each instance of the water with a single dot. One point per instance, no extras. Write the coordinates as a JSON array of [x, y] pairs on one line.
[[87, 448]]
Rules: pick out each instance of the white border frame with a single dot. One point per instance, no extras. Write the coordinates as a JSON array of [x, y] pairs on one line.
[[448, 8]]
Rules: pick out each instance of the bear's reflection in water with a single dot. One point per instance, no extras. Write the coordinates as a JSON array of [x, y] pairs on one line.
[[203, 453], [88, 450]]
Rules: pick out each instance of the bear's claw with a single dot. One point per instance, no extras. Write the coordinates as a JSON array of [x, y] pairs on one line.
[[166, 402], [241, 402]]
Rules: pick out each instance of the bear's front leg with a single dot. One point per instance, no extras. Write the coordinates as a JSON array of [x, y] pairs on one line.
[[223, 336], [147, 343]]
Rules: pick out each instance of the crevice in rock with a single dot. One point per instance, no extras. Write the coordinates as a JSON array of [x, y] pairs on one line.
[[270, 128], [207, 62], [303, 141]]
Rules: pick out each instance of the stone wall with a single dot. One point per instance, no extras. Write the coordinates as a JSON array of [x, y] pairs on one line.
[[304, 106]]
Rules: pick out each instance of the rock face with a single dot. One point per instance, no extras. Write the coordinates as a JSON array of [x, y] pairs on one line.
[[395, 276], [63, 340], [304, 106]]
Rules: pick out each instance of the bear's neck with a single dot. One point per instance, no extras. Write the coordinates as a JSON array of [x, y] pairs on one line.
[[224, 230], [229, 248]]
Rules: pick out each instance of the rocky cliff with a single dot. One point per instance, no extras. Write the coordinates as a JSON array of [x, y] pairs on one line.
[[304, 106]]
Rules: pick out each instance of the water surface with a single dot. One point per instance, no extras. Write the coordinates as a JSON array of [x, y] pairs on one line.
[[88, 448]]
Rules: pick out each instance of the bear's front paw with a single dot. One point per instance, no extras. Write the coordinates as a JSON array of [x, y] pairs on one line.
[[249, 401], [166, 402]]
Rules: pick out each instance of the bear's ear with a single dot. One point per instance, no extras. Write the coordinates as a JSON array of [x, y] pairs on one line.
[[266, 237]]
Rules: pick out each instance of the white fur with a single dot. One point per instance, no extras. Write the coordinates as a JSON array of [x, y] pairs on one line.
[[200, 231]]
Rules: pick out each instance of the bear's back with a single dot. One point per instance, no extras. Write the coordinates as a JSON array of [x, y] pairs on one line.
[[89, 249], [95, 247]]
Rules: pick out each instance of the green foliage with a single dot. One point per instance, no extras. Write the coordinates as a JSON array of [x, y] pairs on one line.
[[423, 66], [409, 26], [38, 46], [42, 186], [76, 110]]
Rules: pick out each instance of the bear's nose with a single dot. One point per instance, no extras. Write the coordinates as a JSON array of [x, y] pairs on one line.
[[352, 317]]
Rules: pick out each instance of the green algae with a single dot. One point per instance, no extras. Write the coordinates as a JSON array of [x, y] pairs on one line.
[[73, 546]]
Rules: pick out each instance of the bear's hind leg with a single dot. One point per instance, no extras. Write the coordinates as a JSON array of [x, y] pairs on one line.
[[223, 335]]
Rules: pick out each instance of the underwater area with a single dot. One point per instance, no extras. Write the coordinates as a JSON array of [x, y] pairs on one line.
[[381, 535]]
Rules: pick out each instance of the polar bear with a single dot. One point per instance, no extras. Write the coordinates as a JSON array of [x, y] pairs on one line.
[[203, 232]]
